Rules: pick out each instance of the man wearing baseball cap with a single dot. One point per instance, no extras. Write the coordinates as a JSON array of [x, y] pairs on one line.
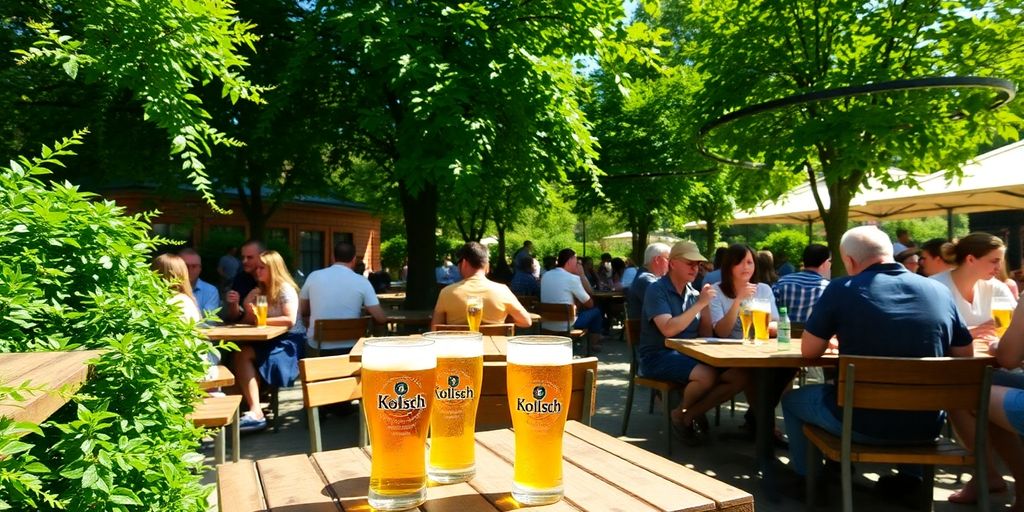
[[672, 308]]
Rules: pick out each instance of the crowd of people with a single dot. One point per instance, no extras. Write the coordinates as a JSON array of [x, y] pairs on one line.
[[932, 300]]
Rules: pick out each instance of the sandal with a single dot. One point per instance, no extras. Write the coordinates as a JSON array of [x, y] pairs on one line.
[[965, 497]]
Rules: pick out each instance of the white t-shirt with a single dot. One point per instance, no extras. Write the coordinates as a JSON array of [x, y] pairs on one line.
[[721, 304], [560, 287], [980, 311], [336, 292]]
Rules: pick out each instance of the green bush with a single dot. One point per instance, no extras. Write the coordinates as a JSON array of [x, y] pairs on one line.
[[392, 254], [790, 243], [74, 274]]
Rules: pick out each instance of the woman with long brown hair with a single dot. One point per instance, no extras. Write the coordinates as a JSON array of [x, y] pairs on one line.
[[276, 361], [173, 269]]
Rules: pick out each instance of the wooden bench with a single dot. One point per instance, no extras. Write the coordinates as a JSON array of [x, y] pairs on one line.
[[329, 380], [220, 376], [53, 377], [217, 412], [558, 313]]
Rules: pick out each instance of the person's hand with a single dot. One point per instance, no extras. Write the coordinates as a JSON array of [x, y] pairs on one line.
[[252, 308], [707, 294], [985, 331], [746, 292], [231, 297], [833, 346], [993, 346]]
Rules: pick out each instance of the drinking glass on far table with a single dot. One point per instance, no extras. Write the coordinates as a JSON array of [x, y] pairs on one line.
[[1002, 311], [261, 311], [474, 312]]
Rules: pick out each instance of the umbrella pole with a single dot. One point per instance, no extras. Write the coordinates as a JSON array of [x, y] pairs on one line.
[[949, 224]]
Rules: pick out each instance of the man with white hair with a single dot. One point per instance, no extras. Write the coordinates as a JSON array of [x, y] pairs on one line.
[[879, 309], [655, 265]]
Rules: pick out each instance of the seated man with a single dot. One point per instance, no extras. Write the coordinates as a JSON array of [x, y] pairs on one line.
[[499, 302], [655, 265], [798, 291], [880, 309], [672, 308], [566, 284]]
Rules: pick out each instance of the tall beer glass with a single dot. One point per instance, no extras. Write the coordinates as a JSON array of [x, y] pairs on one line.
[[761, 314], [1002, 311], [474, 312], [261, 311], [460, 367], [398, 391], [746, 319], [539, 388]]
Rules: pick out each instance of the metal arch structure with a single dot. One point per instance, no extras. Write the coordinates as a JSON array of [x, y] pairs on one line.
[[1005, 92]]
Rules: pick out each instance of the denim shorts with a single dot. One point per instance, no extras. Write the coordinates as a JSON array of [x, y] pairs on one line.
[[667, 365], [1013, 404]]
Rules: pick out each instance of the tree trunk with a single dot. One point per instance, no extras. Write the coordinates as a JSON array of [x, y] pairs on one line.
[[420, 213], [641, 229], [711, 230], [836, 220]]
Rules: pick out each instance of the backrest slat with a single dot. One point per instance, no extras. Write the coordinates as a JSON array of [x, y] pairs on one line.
[[331, 329], [913, 384]]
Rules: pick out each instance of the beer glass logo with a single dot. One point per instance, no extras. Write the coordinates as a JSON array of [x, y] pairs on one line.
[[399, 402], [538, 406], [452, 392]]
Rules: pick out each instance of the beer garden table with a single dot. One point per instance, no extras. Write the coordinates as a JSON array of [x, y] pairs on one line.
[[391, 300], [56, 376], [494, 349], [243, 332], [733, 354], [600, 473]]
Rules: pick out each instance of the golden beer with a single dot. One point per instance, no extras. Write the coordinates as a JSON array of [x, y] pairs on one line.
[[474, 312], [761, 314], [539, 388], [398, 378], [460, 365], [1002, 311], [746, 318], [261, 311]]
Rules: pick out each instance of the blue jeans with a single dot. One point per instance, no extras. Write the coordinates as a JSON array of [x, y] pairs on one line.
[[590, 319], [808, 405]]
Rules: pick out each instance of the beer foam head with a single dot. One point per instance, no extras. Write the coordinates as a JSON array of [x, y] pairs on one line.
[[539, 350], [403, 353], [457, 343]]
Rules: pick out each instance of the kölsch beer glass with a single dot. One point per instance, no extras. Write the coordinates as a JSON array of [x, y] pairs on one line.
[[474, 312], [746, 319], [1002, 311], [761, 315], [460, 366], [261, 311], [398, 390], [539, 389]]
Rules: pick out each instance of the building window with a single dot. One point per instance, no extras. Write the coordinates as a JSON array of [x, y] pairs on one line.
[[176, 232], [311, 251], [342, 237], [277, 235]]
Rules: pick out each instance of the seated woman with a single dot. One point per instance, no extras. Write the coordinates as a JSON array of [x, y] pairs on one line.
[[173, 269], [1006, 408], [740, 268], [277, 361], [977, 259]]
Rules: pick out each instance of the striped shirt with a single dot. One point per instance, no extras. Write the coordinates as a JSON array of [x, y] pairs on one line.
[[798, 292]]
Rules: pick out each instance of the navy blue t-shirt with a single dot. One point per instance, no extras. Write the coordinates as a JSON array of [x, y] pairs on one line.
[[636, 292], [888, 311], [662, 298]]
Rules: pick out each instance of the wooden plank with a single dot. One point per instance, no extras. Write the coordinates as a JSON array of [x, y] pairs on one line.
[[500, 349], [460, 497], [582, 489], [348, 473], [243, 332], [57, 374], [726, 496], [331, 391], [222, 376], [902, 397], [735, 355], [238, 488], [321, 368], [215, 411], [916, 371], [293, 481], [942, 453], [644, 485], [493, 480]]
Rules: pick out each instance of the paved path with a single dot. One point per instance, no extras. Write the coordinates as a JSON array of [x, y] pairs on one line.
[[728, 460]]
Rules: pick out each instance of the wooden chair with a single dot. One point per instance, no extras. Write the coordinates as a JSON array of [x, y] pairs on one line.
[[493, 412], [563, 313], [632, 329], [337, 329], [528, 301], [905, 384], [218, 412], [485, 329], [329, 380]]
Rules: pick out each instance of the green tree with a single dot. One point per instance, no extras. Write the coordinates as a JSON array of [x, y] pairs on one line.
[[752, 52], [158, 52], [433, 92]]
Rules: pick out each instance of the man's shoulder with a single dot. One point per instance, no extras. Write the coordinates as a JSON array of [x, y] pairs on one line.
[[204, 286]]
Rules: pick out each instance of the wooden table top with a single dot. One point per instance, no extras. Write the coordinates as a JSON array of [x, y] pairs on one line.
[[600, 473], [408, 316], [243, 332], [495, 348], [609, 294], [56, 375], [391, 296], [736, 355]]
